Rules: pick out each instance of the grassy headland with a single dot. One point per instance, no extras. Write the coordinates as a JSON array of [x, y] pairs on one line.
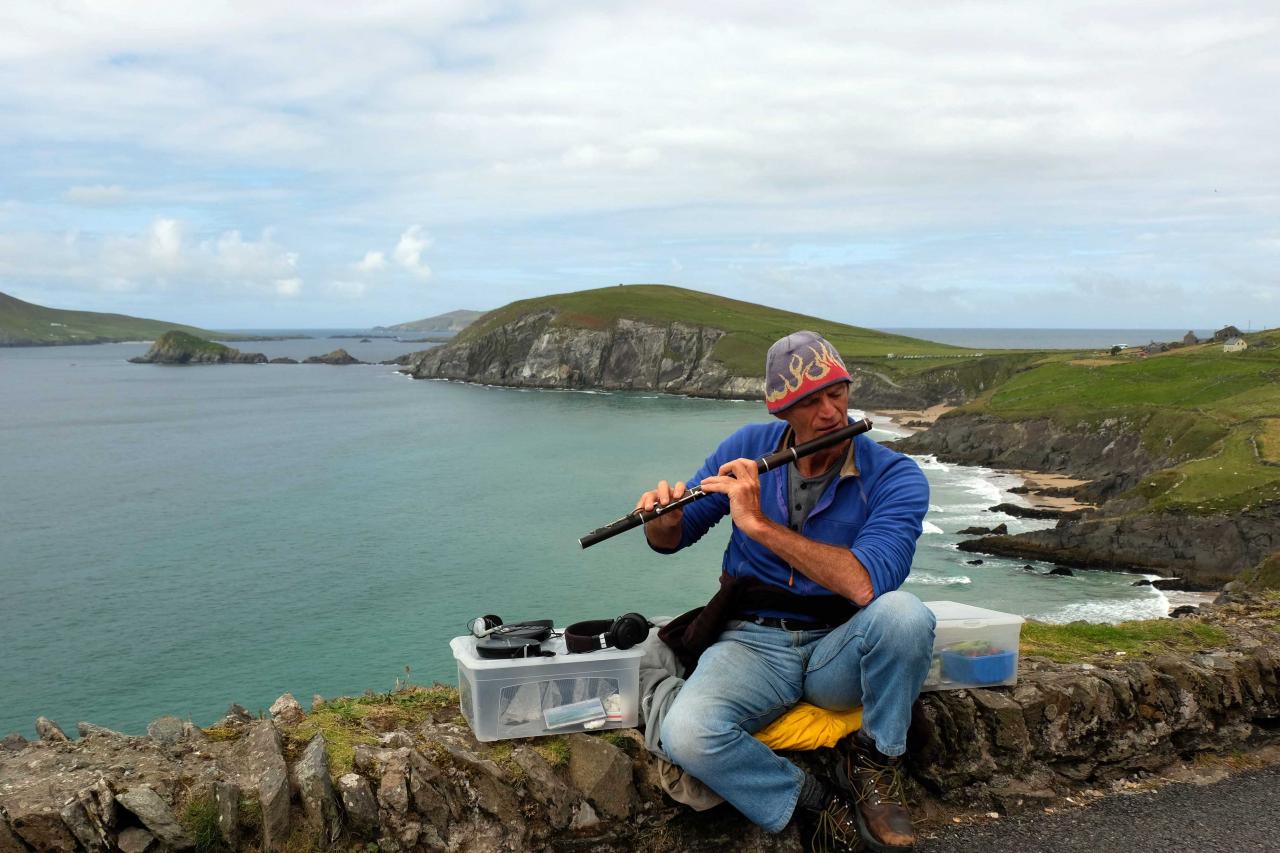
[[1218, 410], [25, 324], [749, 329]]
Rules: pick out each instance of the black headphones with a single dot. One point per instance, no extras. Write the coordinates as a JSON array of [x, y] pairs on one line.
[[517, 640], [627, 630]]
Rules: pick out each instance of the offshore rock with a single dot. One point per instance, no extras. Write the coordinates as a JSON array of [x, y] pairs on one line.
[[338, 356], [182, 348]]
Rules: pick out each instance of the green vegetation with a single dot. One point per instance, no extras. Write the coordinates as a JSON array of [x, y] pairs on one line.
[[350, 721], [25, 324], [554, 749], [188, 343], [1080, 641], [1215, 411], [1269, 440], [751, 328], [453, 321], [200, 818], [1264, 576]]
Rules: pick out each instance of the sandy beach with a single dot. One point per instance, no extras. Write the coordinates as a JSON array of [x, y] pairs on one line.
[[913, 420]]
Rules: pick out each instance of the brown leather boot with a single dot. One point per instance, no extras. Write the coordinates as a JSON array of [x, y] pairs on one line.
[[875, 783]]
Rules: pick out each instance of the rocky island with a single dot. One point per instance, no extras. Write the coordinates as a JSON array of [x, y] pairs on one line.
[[174, 347], [338, 356]]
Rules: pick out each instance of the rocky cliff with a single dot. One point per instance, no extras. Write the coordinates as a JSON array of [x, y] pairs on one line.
[[1124, 533], [535, 351], [402, 769], [1202, 551], [1110, 453]]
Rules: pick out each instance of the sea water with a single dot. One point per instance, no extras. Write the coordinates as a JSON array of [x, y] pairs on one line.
[[178, 538]]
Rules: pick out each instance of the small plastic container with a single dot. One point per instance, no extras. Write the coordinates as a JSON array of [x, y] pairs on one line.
[[973, 647], [515, 698]]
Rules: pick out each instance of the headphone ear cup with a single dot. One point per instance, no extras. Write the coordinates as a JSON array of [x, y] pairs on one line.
[[629, 630], [489, 621]]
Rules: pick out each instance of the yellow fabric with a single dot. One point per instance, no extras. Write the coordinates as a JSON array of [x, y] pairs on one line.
[[808, 727]]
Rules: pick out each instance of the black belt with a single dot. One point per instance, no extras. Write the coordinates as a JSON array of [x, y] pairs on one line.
[[788, 624]]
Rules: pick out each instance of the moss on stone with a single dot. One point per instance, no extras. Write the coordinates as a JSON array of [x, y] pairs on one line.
[[349, 721]]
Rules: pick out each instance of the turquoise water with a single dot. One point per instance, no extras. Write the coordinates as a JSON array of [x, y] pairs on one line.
[[176, 539]]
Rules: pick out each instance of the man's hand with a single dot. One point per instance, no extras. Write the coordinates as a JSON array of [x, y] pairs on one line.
[[831, 566], [739, 480], [663, 531]]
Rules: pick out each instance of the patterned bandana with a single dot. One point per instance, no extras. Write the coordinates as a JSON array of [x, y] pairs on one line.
[[798, 365]]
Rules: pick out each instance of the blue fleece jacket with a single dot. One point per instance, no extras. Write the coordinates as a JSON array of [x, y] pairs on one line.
[[875, 508]]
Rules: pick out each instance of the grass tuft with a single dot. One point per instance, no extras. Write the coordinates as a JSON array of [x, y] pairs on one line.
[[1081, 641], [200, 818], [554, 749]]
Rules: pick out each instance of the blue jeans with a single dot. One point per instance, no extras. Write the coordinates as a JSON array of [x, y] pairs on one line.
[[753, 673]]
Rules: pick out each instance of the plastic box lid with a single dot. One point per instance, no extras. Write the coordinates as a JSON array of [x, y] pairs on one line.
[[953, 612], [464, 651]]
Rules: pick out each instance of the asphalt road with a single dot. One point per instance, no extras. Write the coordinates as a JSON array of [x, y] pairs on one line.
[[1240, 813]]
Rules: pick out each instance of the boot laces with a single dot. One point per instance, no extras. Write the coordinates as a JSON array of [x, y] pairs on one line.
[[881, 783], [836, 828]]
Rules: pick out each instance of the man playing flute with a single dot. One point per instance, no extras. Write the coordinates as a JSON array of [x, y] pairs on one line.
[[821, 547]]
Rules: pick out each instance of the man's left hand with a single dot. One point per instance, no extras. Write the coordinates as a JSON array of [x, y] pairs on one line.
[[740, 481]]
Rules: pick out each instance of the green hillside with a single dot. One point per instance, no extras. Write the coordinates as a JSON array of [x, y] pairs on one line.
[[1221, 408], [451, 321], [750, 328], [25, 324]]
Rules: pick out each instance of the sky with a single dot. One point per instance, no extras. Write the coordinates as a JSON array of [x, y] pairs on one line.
[[325, 164]]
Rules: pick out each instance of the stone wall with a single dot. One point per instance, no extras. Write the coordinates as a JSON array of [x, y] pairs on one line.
[[255, 784]]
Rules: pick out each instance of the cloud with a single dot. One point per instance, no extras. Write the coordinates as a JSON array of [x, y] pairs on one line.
[[372, 262], [98, 195], [161, 258], [553, 128], [348, 289], [408, 251]]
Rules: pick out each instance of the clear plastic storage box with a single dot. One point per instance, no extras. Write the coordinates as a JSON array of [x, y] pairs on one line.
[[529, 697], [973, 647]]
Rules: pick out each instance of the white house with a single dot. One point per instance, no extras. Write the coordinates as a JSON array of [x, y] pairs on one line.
[[1235, 345]]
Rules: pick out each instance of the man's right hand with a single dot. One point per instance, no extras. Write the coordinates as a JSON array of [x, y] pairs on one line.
[[663, 531]]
